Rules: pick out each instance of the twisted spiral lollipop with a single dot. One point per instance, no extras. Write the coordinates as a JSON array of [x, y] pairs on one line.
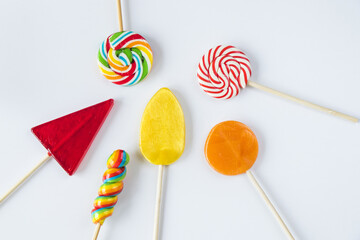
[[111, 187], [125, 58], [223, 71]]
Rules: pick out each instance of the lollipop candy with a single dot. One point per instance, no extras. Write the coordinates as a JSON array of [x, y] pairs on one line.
[[68, 138], [125, 58], [231, 149], [224, 71], [111, 187], [162, 137]]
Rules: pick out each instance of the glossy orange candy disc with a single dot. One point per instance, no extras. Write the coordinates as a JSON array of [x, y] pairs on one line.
[[231, 148]]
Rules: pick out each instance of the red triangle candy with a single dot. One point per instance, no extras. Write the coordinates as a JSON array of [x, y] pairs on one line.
[[68, 138]]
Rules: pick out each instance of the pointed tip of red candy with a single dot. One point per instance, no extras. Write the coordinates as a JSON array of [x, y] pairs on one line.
[[68, 138]]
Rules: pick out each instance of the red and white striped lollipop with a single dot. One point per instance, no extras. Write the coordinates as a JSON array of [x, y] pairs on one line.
[[224, 70]]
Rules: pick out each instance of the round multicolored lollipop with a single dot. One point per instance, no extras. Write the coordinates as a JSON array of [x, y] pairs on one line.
[[231, 148], [225, 70], [125, 57], [111, 187]]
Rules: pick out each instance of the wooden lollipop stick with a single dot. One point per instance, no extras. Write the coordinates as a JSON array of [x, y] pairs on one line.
[[97, 230], [303, 102], [44, 160], [119, 15], [269, 204], [158, 203]]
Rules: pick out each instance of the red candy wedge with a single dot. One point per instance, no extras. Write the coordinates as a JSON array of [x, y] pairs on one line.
[[68, 138]]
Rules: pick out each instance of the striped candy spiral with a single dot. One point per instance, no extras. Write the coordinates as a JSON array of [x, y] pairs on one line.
[[111, 187], [125, 58], [223, 71]]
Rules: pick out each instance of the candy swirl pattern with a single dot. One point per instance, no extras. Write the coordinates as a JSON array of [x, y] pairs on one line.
[[125, 58], [223, 71], [111, 187]]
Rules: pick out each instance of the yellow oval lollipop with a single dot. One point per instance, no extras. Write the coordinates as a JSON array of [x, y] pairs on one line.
[[162, 132]]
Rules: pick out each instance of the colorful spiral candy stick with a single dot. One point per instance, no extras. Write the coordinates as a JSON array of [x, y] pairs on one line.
[[224, 70], [111, 187], [125, 57]]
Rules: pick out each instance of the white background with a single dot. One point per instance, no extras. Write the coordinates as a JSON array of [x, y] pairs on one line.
[[308, 161]]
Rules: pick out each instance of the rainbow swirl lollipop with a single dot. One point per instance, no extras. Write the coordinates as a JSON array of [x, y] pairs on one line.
[[125, 58]]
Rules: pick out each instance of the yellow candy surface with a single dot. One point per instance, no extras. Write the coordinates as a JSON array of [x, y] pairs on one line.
[[162, 132]]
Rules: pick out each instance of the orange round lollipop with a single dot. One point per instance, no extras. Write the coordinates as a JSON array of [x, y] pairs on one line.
[[231, 149]]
